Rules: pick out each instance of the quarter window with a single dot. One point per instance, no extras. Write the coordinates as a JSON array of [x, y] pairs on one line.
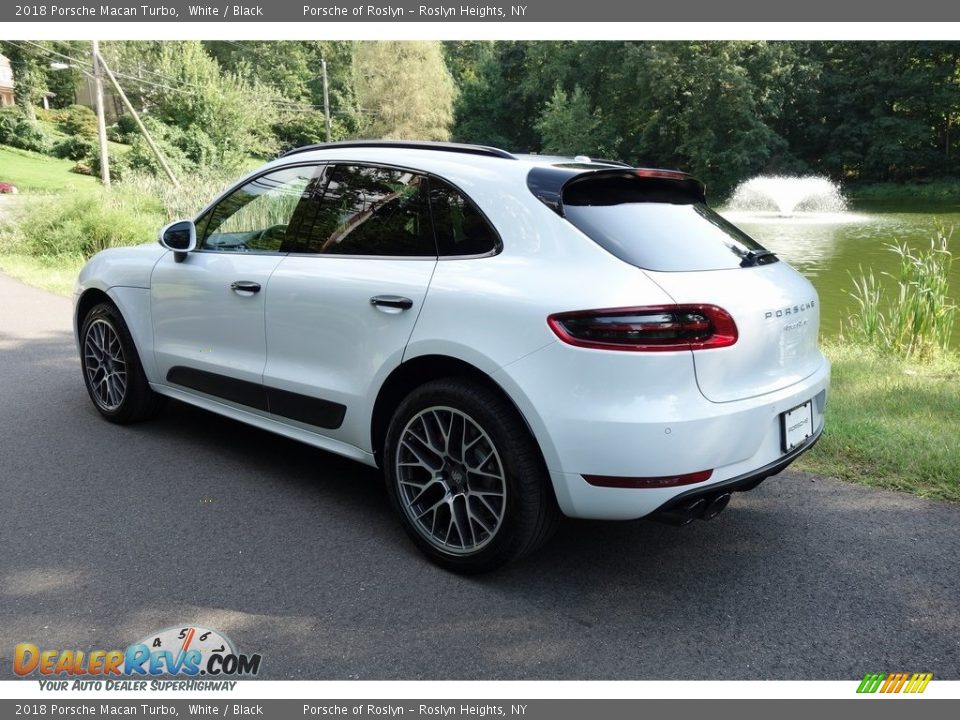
[[265, 215], [460, 227]]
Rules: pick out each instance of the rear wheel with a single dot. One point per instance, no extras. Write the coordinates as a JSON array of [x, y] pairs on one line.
[[466, 478], [112, 371]]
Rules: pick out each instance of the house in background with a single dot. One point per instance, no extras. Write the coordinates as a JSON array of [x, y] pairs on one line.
[[6, 82]]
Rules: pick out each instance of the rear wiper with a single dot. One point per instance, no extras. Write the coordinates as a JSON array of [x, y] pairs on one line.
[[758, 257]]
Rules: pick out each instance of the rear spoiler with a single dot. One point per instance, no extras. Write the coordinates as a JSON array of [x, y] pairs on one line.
[[548, 184]]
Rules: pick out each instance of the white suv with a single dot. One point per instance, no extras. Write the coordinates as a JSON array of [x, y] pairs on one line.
[[508, 337]]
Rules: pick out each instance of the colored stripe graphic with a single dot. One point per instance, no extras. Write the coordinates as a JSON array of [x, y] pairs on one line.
[[894, 682]]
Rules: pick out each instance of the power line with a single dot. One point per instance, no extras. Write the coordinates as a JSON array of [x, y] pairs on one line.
[[290, 106]]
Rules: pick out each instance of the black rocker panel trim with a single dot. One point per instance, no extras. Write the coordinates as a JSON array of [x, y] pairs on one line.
[[293, 406], [242, 392], [306, 409]]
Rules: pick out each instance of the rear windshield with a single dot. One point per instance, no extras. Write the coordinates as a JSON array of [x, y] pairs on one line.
[[655, 225]]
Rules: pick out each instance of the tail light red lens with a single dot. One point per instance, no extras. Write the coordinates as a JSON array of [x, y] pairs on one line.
[[647, 329]]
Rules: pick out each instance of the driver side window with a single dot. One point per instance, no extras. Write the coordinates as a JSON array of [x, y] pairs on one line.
[[262, 216]]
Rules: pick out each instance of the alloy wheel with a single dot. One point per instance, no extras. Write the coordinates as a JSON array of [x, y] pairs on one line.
[[451, 482]]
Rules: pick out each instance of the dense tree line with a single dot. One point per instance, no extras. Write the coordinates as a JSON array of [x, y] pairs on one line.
[[857, 111]]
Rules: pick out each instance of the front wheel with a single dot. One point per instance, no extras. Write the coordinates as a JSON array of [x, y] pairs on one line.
[[111, 368], [466, 477]]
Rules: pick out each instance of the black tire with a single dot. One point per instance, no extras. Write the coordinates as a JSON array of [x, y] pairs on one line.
[[134, 400], [520, 522]]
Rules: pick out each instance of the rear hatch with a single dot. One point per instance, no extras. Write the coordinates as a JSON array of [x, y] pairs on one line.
[[659, 222]]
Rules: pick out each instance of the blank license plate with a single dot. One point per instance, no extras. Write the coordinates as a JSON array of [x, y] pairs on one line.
[[797, 425]]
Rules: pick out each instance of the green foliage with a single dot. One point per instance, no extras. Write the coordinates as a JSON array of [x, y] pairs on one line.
[[16, 130], [119, 164], [568, 125], [85, 223], [196, 190], [293, 70], [186, 88], [28, 64], [295, 130], [404, 90], [863, 111], [917, 321], [123, 130], [74, 148], [9, 118], [78, 120]]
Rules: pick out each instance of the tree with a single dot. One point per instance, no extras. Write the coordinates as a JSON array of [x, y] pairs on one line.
[[184, 87], [28, 64], [404, 90], [567, 125]]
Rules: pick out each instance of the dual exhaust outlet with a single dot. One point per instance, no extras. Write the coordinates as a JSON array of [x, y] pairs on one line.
[[705, 507]]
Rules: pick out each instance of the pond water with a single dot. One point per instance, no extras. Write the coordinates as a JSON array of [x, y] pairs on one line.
[[828, 247]]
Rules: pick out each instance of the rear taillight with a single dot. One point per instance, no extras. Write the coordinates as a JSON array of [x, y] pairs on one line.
[[647, 329]]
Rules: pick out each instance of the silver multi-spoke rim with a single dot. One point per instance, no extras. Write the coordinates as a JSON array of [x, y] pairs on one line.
[[105, 365], [451, 481]]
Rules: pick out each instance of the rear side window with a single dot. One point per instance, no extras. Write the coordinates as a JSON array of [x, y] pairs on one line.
[[653, 224], [460, 227], [372, 211]]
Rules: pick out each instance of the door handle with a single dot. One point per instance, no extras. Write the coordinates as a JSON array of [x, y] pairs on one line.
[[392, 301], [245, 286]]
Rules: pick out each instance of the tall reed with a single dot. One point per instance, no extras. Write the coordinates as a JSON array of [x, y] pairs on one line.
[[917, 320]]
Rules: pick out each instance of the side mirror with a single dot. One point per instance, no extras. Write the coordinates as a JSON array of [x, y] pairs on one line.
[[179, 236]]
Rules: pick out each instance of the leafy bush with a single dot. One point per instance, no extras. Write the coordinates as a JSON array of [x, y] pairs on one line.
[[78, 120], [119, 164], [75, 148], [141, 157], [17, 131], [9, 116]]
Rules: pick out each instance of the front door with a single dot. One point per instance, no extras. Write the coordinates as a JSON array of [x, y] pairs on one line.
[[208, 310]]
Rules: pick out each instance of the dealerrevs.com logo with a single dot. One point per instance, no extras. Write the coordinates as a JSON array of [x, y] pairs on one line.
[[181, 652]]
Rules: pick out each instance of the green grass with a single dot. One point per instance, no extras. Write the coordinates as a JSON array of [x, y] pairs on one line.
[[891, 423], [33, 172], [54, 274]]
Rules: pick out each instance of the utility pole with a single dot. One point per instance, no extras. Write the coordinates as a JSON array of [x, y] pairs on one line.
[[101, 122], [326, 97], [136, 117]]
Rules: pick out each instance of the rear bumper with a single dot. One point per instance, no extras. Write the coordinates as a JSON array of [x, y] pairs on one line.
[[747, 481], [629, 420]]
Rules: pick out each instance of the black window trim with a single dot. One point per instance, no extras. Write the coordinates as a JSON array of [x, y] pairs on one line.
[[498, 241]]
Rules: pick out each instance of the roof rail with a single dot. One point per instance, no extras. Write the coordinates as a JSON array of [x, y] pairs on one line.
[[408, 144]]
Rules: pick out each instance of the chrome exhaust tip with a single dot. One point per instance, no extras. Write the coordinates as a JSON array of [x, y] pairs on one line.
[[715, 506]]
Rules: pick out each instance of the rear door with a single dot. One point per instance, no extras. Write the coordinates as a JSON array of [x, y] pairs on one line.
[[697, 257], [341, 308]]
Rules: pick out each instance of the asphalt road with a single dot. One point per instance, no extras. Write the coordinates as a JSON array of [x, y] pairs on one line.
[[109, 533]]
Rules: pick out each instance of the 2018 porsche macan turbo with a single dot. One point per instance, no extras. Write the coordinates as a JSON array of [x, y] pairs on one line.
[[510, 338]]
